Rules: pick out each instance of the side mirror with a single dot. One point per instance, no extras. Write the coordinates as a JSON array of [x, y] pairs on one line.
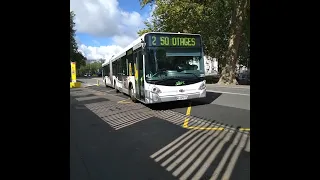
[[143, 44], [143, 52]]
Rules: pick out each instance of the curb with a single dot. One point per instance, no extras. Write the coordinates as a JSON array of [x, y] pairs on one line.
[[226, 86]]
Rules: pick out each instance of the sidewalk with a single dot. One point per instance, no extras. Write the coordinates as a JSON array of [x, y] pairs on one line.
[[242, 90], [228, 86], [97, 78], [86, 84]]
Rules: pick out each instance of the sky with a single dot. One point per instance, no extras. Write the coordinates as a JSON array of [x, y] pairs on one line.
[[104, 27]]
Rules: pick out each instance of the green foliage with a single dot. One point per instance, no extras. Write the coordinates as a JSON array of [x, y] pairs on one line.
[[244, 49], [143, 31], [210, 18], [75, 55], [73, 44], [152, 26], [92, 68]]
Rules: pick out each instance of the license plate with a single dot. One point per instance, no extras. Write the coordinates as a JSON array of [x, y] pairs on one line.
[[182, 97]]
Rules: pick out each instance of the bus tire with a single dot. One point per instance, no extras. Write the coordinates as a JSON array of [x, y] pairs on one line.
[[115, 87], [131, 94], [105, 83]]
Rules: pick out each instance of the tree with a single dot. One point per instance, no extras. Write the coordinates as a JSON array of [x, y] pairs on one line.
[[244, 48], [101, 60], [206, 17], [92, 68], [143, 31], [75, 55], [239, 10], [223, 25], [152, 26]]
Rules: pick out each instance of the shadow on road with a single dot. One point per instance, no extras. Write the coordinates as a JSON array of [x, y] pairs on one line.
[[207, 155], [210, 97], [152, 149], [97, 150]]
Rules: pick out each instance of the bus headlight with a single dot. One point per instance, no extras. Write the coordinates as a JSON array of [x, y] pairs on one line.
[[202, 86], [155, 97], [156, 90]]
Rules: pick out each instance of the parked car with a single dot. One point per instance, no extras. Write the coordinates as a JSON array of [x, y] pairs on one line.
[[243, 78]]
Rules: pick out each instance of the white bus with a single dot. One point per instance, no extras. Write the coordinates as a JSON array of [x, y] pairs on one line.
[[159, 67]]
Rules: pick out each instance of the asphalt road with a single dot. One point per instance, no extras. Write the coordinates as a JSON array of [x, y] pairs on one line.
[[243, 90], [227, 105], [113, 138]]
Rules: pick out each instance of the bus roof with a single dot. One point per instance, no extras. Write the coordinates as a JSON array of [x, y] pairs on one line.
[[137, 42]]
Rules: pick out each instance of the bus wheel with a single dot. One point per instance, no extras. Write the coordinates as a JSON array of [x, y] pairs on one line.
[[115, 87], [131, 94]]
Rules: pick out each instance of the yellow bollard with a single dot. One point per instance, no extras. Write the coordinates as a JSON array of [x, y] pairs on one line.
[[98, 82]]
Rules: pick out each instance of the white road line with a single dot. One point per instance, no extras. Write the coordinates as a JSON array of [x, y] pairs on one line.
[[224, 92], [111, 90], [231, 87], [87, 85]]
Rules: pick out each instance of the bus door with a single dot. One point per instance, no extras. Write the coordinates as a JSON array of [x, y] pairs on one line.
[[139, 81], [125, 75]]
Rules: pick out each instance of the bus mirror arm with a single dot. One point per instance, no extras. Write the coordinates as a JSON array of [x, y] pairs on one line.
[[143, 44], [143, 52]]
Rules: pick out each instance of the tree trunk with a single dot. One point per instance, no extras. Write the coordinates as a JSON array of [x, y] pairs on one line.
[[238, 14]]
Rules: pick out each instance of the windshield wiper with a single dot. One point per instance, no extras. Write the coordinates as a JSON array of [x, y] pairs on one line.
[[162, 80], [159, 72], [192, 74]]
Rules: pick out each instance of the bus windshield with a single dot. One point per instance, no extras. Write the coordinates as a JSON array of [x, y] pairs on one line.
[[174, 63]]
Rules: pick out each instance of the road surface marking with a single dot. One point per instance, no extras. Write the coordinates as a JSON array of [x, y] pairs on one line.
[[231, 87], [203, 128], [124, 101], [244, 129], [186, 121], [189, 110], [224, 92], [88, 85]]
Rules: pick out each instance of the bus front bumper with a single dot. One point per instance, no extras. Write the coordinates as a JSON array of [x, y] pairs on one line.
[[155, 98]]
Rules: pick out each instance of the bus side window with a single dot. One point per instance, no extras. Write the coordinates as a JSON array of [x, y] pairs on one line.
[[133, 62], [140, 61], [127, 67]]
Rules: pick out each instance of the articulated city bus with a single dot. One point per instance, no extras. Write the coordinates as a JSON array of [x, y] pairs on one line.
[[159, 67]]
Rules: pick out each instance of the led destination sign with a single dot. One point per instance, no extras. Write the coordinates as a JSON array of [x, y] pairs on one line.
[[173, 40]]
